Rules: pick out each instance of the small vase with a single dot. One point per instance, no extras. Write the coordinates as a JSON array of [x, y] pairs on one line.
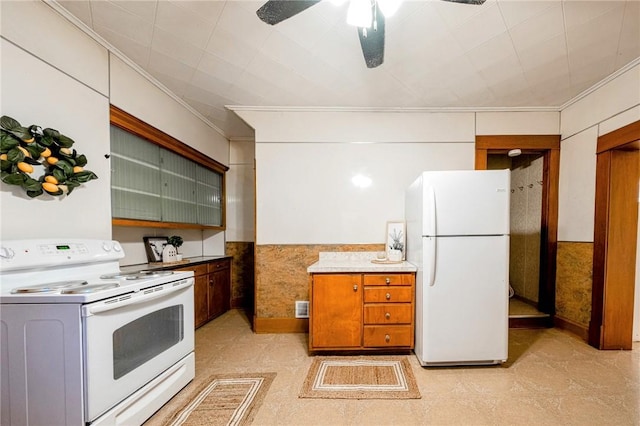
[[395, 255], [178, 257], [169, 253]]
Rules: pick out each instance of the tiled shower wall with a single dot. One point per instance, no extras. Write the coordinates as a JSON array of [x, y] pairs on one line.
[[526, 211]]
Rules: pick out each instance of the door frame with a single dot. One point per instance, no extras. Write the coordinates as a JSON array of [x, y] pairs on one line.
[[549, 147], [611, 297]]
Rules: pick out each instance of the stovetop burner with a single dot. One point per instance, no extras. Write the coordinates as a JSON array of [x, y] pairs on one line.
[[91, 288], [78, 271], [136, 275], [49, 287]]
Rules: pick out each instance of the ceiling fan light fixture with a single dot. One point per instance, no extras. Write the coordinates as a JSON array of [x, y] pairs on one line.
[[360, 13], [389, 7]]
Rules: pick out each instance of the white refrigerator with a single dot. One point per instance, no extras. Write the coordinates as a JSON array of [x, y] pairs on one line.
[[458, 237]]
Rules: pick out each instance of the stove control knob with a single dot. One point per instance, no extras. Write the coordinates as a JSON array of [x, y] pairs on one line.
[[106, 246], [117, 248], [6, 253]]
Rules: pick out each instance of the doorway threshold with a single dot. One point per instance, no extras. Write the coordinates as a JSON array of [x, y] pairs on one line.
[[531, 321]]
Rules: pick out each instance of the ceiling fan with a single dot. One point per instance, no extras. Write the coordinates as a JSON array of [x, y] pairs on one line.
[[370, 30]]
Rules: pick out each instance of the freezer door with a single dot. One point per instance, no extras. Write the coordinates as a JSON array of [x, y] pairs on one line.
[[467, 202], [463, 302]]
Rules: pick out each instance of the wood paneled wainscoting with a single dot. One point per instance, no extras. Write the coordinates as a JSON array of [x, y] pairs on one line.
[[281, 279], [242, 276], [573, 287]]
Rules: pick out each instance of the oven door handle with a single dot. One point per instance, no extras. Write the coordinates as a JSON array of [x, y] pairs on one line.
[[135, 300]]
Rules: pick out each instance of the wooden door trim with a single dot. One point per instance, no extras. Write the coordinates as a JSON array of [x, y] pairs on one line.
[[622, 138], [619, 137], [549, 147]]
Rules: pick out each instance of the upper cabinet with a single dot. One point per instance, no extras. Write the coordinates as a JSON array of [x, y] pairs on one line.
[[158, 181]]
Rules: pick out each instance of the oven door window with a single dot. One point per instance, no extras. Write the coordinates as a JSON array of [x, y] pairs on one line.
[[146, 337]]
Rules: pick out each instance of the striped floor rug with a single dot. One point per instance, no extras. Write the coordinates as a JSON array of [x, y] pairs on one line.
[[229, 399], [360, 377]]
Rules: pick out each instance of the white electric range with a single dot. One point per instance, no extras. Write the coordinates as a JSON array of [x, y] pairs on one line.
[[83, 343]]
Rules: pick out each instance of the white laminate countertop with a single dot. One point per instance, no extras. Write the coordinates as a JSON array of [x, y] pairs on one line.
[[355, 262]]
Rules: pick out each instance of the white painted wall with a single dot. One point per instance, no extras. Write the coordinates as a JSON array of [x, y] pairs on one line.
[[613, 105], [610, 100], [55, 75], [33, 92], [305, 162], [577, 186], [305, 192], [297, 126], [34, 27], [240, 184], [517, 123], [141, 98]]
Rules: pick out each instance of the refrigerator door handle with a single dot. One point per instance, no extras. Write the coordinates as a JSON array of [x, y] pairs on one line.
[[431, 194], [432, 261]]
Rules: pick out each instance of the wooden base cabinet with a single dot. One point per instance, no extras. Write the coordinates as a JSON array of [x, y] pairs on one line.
[[212, 289], [219, 287], [362, 311]]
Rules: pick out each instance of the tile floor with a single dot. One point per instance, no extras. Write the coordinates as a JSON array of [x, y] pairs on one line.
[[551, 378], [521, 309]]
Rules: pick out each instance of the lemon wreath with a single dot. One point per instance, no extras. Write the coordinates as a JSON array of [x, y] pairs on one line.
[[22, 148]]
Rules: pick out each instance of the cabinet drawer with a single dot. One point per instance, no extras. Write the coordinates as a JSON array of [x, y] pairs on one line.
[[388, 294], [219, 265], [389, 279], [388, 313], [389, 335], [197, 269]]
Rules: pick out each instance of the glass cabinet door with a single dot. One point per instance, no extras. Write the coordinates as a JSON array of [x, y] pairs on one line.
[[135, 177], [178, 188], [209, 192], [151, 183]]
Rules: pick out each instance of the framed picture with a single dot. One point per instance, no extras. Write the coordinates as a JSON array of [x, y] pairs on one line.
[[154, 247], [396, 239]]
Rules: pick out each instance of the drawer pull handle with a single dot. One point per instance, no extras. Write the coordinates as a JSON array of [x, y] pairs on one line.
[[387, 315], [387, 338], [388, 280], [355, 287], [388, 296]]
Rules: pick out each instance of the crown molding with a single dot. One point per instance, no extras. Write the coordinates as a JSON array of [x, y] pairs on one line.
[[601, 83], [388, 109]]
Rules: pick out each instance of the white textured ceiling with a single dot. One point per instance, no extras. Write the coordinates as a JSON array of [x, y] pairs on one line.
[[505, 53]]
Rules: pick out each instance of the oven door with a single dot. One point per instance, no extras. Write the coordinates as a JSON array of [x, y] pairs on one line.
[[131, 339]]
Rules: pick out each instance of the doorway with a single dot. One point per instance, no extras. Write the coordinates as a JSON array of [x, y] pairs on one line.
[[545, 149], [525, 230], [615, 239]]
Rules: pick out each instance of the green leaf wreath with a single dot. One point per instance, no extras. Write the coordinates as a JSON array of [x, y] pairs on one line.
[[22, 149]]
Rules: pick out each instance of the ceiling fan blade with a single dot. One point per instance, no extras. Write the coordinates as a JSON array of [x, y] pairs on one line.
[[372, 42], [275, 11], [467, 1]]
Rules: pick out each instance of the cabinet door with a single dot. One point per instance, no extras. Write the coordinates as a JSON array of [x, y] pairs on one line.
[[201, 299], [336, 311], [200, 293], [219, 288]]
